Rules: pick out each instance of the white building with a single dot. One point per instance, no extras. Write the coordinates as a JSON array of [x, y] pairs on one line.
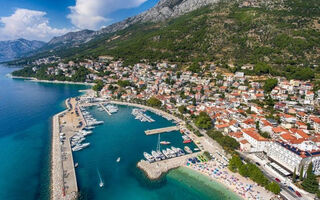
[[257, 142], [291, 158]]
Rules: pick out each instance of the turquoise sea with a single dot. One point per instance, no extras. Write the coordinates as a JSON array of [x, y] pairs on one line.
[[26, 109]]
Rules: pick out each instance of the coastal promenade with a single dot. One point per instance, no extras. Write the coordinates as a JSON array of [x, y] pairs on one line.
[[156, 169], [63, 176], [162, 130]]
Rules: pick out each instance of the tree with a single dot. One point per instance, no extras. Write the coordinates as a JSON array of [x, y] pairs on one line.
[[182, 109], [207, 155], [235, 163], [318, 193], [203, 121], [226, 142], [195, 68], [301, 174], [265, 134], [124, 83], [98, 86], [294, 176], [310, 183], [270, 84], [154, 102], [273, 187], [243, 171]]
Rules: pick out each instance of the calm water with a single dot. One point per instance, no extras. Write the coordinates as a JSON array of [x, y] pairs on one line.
[[26, 109], [123, 136], [25, 122]]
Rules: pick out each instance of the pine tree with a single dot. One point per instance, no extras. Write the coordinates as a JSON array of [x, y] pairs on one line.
[[301, 173], [294, 176], [310, 183]]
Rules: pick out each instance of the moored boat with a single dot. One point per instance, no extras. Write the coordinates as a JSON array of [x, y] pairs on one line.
[[148, 157], [165, 142], [187, 149], [186, 141]]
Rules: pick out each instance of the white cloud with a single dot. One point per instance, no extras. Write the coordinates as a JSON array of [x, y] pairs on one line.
[[28, 24], [91, 14]]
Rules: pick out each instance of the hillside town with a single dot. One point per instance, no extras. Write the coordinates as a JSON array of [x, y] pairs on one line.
[[274, 120]]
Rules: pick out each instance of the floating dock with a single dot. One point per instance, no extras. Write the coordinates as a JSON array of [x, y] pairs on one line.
[[156, 169], [161, 130]]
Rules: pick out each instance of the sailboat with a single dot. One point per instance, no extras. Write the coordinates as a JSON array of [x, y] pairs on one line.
[[101, 184]]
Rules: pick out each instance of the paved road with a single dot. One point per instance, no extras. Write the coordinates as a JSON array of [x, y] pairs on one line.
[[267, 174], [271, 177]]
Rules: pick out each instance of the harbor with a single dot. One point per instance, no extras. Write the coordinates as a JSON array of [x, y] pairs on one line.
[[155, 156], [161, 130]]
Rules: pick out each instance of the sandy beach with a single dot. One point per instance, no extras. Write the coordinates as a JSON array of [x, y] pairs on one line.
[[243, 187]]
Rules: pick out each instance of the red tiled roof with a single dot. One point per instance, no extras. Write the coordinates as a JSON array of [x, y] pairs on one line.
[[252, 133], [278, 129], [288, 136], [244, 141], [236, 134]]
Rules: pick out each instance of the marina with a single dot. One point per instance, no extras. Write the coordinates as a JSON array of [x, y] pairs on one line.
[[173, 151], [110, 137], [140, 115], [110, 109]]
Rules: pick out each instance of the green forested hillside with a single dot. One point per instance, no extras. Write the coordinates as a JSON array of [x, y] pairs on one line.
[[278, 33]]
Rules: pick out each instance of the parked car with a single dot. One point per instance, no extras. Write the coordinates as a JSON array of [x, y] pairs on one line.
[[290, 188], [298, 194], [278, 180]]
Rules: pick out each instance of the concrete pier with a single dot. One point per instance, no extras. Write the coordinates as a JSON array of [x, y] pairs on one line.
[[161, 130], [105, 109], [156, 169]]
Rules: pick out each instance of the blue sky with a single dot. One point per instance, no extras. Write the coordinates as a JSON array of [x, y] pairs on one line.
[[44, 19]]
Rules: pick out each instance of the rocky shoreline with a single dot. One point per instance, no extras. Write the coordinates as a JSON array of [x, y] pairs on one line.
[[47, 81]]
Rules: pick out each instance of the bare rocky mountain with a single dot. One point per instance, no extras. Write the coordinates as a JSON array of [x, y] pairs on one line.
[[13, 49], [75, 38], [164, 9]]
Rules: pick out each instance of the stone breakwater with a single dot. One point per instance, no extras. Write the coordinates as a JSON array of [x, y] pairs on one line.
[[156, 169], [63, 176], [57, 182]]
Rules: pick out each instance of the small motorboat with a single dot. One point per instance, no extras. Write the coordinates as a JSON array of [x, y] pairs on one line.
[[186, 141], [165, 142], [118, 159], [101, 184]]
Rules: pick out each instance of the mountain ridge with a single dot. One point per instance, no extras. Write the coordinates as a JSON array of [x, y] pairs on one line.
[[276, 33], [12, 49], [163, 10]]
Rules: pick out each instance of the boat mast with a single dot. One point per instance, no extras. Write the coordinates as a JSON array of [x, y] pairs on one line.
[[158, 144]]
